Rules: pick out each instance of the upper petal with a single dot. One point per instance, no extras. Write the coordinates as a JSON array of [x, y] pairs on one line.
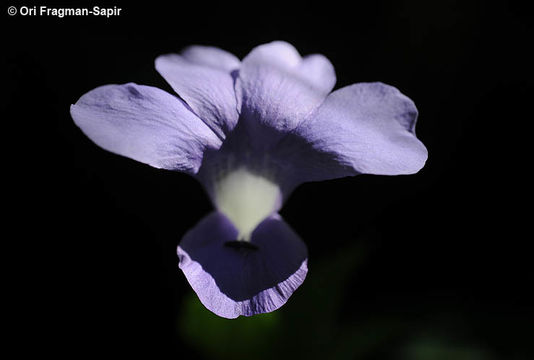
[[238, 280], [365, 128], [202, 76], [212, 57], [277, 88], [146, 124]]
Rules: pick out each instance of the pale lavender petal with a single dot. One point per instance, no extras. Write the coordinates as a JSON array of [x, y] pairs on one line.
[[202, 76], [146, 124], [233, 279], [212, 57], [277, 88], [365, 128]]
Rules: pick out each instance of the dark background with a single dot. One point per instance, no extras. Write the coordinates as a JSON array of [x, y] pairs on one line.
[[430, 266]]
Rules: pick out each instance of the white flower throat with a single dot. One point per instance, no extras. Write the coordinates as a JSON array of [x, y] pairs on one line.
[[246, 199]]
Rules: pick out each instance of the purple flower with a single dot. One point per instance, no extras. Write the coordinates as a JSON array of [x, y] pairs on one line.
[[251, 131]]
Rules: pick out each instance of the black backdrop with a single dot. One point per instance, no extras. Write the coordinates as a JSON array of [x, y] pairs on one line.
[[92, 262]]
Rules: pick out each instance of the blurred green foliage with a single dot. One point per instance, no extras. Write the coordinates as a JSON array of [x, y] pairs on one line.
[[435, 349], [226, 338]]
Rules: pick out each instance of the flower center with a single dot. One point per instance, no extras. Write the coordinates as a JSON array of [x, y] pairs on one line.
[[246, 199]]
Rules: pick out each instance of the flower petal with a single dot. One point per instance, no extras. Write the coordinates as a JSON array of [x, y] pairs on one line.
[[246, 279], [365, 128], [212, 57], [146, 124], [202, 76], [277, 88]]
